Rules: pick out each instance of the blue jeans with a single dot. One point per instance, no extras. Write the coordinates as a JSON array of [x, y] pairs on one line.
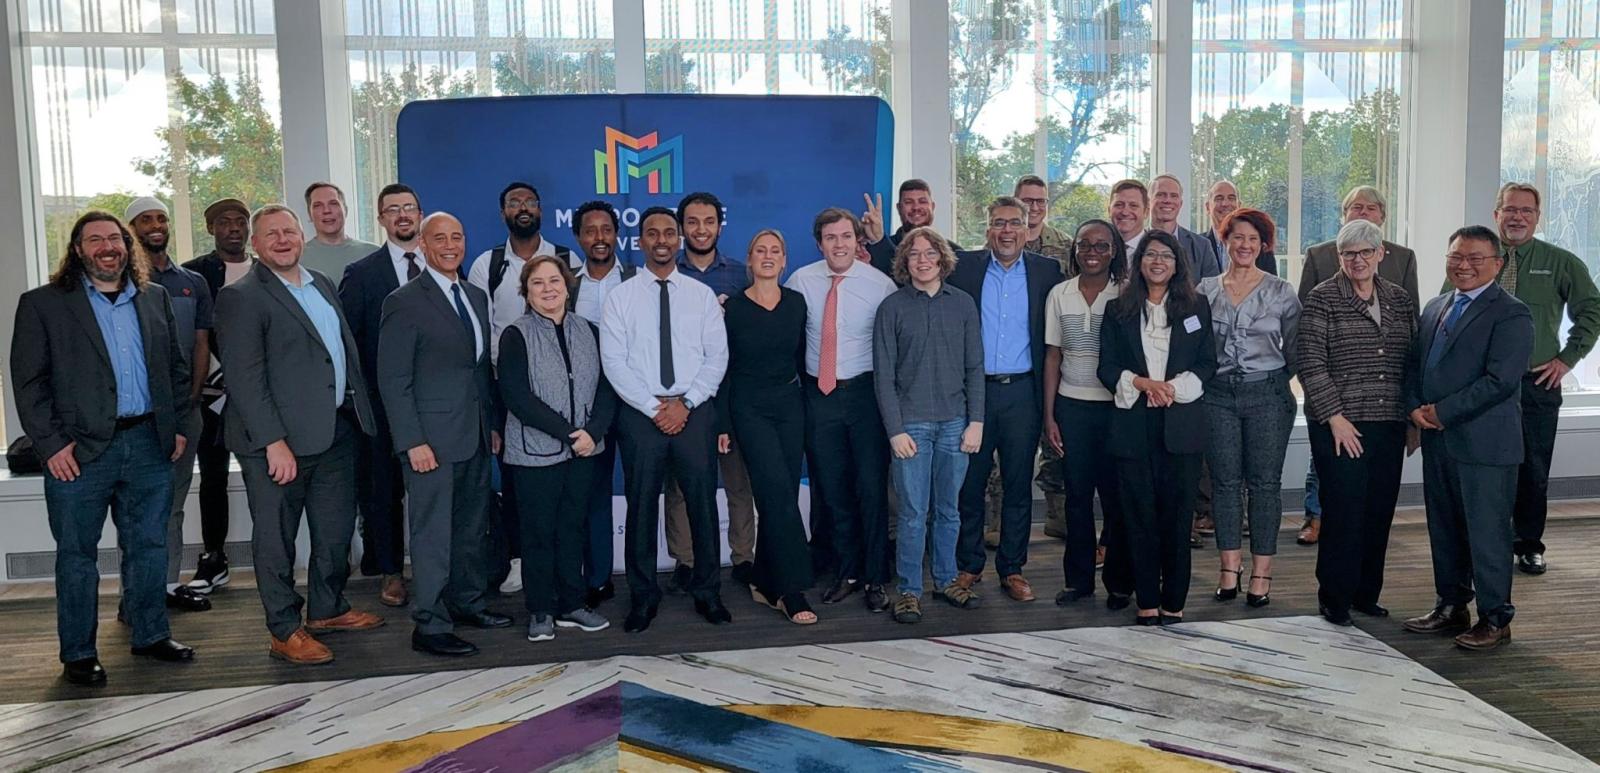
[[1313, 501], [133, 479], [929, 480]]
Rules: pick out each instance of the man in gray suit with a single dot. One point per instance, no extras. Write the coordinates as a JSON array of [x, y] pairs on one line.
[[1473, 345], [296, 401], [435, 378]]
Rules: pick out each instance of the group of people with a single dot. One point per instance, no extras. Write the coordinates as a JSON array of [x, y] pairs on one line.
[[1135, 361]]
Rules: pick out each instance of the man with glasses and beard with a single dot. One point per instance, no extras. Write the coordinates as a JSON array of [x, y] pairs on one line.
[[191, 313]]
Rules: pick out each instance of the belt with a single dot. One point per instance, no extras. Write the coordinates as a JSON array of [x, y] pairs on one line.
[[1236, 377], [1006, 378], [129, 422], [864, 378]]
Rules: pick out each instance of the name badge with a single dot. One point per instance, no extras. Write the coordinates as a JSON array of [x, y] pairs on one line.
[[1191, 324], [1540, 272]]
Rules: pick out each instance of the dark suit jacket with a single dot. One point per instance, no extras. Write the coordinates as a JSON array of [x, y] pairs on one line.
[[211, 268], [1203, 259], [1399, 265], [1476, 385], [1043, 275], [882, 251], [628, 270], [366, 283], [436, 389], [280, 377], [1266, 261], [65, 388], [1122, 348]]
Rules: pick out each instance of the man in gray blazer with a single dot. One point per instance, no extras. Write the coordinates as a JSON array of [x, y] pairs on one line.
[[1166, 203], [296, 402], [1473, 345], [435, 378]]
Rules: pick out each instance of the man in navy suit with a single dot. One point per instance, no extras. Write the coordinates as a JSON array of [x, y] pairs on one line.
[[1463, 388]]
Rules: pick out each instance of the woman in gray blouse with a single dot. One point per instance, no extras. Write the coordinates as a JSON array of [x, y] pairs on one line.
[[1253, 319]]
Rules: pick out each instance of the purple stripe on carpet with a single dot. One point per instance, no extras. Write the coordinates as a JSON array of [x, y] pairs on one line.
[[542, 742]]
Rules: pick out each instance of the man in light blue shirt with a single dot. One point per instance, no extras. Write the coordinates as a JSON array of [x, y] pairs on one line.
[[325, 318], [119, 326]]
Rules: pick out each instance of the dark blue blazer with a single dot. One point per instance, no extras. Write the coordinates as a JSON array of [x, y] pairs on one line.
[[365, 284], [1122, 348], [1043, 275], [1475, 386]]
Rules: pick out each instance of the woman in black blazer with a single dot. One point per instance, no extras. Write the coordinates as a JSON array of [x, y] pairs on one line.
[[1155, 353]]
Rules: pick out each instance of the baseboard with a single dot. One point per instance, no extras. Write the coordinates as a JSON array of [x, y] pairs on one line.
[[41, 564]]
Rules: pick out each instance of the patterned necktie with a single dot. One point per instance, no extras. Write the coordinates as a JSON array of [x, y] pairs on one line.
[[1508, 273], [412, 269], [668, 378], [466, 319], [828, 356], [1442, 335]]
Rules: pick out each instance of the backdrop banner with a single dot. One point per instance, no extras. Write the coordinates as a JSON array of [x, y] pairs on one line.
[[774, 161]]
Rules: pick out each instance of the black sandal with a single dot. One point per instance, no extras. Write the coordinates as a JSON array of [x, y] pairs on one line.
[[793, 606]]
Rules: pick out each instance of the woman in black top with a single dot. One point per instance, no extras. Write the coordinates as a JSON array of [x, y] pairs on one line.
[[559, 407], [761, 399]]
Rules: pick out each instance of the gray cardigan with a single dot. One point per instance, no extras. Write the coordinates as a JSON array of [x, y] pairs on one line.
[[545, 400]]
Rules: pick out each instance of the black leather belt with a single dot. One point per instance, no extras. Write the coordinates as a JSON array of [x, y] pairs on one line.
[[864, 378], [129, 422], [1006, 378]]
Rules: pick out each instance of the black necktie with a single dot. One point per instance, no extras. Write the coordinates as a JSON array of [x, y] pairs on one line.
[[412, 269], [466, 319], [667, 377]]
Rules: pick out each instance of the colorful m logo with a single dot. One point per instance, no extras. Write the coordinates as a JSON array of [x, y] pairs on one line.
[[659, 164]]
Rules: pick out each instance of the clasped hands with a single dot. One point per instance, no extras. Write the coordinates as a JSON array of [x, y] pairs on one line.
[[1158, 394]]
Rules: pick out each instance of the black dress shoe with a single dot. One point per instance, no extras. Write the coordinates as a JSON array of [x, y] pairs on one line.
[[167, 650], [1152, 620], [1335, 617], [1531, 563], [187, 599], [639, 619], [484, 619], [446, 644], [713, 611], [678, 584], [603, 593], [1170, 619], [1070, 595], [85, 672], [743, 572], [877, 598], [1118, 601], [840, 591], [1371, 610]]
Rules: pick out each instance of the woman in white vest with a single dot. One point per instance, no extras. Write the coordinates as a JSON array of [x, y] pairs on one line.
[[558, 409]]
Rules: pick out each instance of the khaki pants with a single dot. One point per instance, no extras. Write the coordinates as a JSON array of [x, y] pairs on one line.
[[741, 513]]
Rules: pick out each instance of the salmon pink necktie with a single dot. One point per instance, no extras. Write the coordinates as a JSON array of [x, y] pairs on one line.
[[828, 357]]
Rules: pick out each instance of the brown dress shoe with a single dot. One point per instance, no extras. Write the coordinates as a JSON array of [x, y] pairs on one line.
[[968, 579], [301, 649], [1445, 619], [394, 591], [1017, 588], [1310, 532], [1484, 636], [353, 620]]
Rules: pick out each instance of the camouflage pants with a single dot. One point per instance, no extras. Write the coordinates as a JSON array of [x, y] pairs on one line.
[[1048, 478]]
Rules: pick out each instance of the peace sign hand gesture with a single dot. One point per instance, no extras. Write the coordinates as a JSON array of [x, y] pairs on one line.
[[872, 219]]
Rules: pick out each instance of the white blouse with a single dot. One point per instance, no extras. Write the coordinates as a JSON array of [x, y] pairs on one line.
[[1156, 336]]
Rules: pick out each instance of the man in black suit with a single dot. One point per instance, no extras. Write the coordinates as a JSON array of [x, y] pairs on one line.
[[1463, 389], [367, 282], [101, 383], [1010, 286], [914, 203], [437, 384], [296, 402]]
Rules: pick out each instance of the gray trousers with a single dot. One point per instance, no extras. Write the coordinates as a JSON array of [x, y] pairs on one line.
[[1250, 425], [449, 511], [1469, 531], [182, 476], [324, 489]]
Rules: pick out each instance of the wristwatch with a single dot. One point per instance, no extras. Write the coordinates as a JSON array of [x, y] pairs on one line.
[[687, 403]]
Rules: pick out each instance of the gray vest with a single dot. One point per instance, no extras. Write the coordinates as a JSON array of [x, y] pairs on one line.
[[548, 379]]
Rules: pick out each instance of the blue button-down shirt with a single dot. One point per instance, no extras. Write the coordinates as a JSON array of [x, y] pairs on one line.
[[119, 328], [326, 320], [725, 275], [1006, 347]]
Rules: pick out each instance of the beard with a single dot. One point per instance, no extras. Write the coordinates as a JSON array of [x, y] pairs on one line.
[[147, 242], [521, 231], [710, 249], [91, 266]]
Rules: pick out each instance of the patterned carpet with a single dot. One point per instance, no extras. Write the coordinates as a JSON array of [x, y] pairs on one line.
[[1267, 694]]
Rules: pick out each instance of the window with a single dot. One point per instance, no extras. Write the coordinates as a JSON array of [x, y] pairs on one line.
[[1297, 102], [1061, 89], [1552, 106], [190, 114], [402, 52]]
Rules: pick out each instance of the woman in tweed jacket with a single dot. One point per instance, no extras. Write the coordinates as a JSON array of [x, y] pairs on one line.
[[1355, 336]]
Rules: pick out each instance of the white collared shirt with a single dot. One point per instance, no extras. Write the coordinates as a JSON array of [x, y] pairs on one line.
[[446, 286], [591, 301], [1133, 244], [397, 257], [630, 340], [505, 303], [863, 288]]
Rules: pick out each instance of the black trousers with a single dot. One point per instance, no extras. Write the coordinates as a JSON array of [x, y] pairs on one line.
[[1469, 531], [1158, 492], [505, 527], [1541, 408], [1358, 496], [599, 549], [1011, 419], [852, 462], [213, 458], [379, 493], [1086, 469], [554, 533], [770, 426], [691, 455]]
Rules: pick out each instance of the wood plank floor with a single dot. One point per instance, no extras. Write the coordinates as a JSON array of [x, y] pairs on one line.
[[1548, 677]]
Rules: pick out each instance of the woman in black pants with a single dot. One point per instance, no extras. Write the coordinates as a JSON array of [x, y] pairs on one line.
[[761, 399], [1156, 352], [558, 408]]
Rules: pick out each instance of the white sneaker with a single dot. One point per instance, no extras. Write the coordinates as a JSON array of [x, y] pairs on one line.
[[513, 583]]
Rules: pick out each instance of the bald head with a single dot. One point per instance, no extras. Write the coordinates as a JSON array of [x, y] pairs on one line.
[[443, 243], [1221, 200]]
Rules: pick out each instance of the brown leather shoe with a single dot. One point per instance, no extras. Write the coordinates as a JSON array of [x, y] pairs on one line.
[[394, 591], [1204, 524], [1445, 619], [1099, 556], [352, 620], [1017, 587], [1310, 532], [1484, 636], [301, 649], [968, 579]]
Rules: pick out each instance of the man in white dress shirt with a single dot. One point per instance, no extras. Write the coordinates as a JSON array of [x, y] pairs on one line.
[[664, 349]]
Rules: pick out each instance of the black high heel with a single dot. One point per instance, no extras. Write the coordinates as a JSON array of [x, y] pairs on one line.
[[1262, 600], [1229, 594]]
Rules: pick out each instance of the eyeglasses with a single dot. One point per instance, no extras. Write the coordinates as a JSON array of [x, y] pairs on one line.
[[520, 203], [400, 209], [1362, 255], [1523, 211], [1163, 256], [97, 241], [998, 223], [1034, 202], [1102, 248], [1474, 261]]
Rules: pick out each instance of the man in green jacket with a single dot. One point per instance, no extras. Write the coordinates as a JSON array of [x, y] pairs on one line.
[[1548, 279]]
